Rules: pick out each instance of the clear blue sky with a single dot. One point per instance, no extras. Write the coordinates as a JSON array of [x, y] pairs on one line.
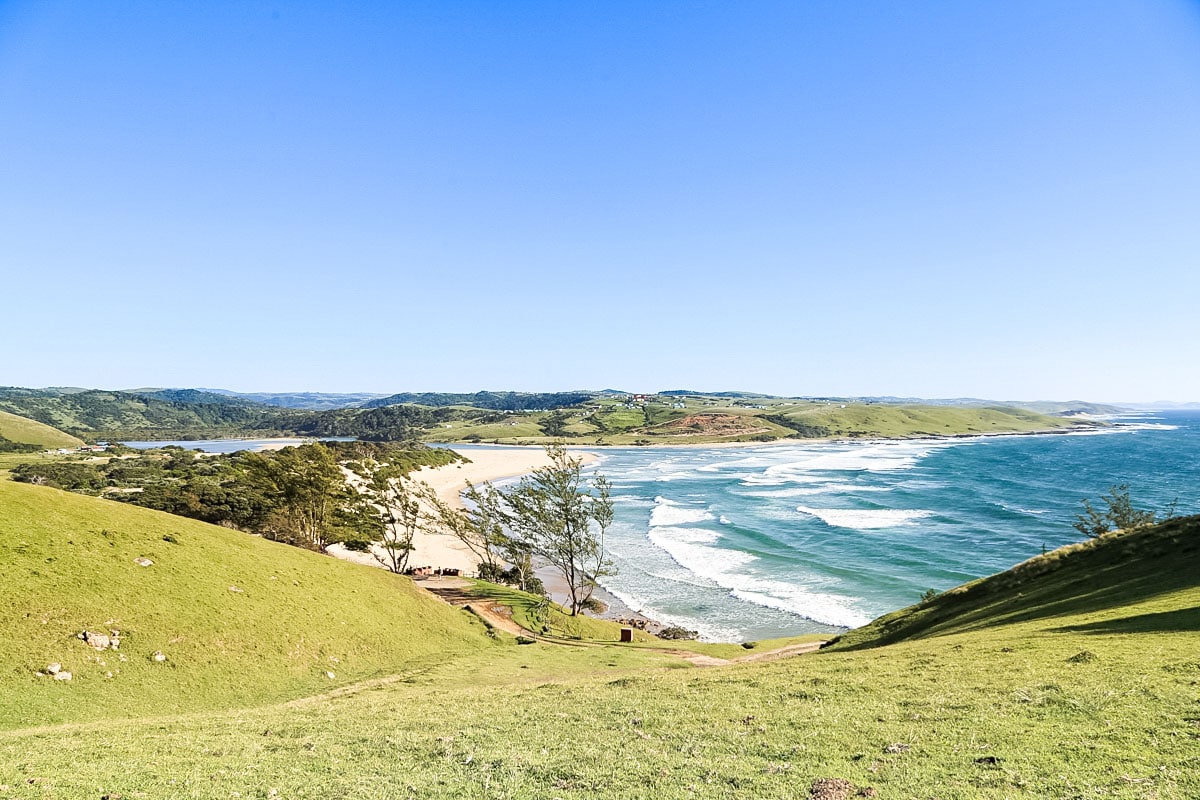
[[928, 199]]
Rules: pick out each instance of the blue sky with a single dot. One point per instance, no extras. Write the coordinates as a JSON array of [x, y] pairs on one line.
[[923, 199]]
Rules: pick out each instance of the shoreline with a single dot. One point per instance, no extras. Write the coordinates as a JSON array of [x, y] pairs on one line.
[[495, 463], [499, 462]]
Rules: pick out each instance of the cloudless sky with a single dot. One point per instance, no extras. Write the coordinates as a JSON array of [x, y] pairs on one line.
[[931, 199]]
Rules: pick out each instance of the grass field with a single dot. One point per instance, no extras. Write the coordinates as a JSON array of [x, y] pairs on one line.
[[882, 420], [1075, 675], [27, 431]]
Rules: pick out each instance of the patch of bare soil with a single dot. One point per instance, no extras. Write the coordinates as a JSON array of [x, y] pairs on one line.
[[711, 425]]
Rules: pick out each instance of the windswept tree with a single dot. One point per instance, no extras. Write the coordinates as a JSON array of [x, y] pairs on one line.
[[479, 526], [1120, 514], [562, 518], [396, 504]]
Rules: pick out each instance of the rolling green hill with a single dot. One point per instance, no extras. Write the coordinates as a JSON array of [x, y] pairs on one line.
[[100, 413], [1139, 581], [28, 431], [704, 419], [240, 620]]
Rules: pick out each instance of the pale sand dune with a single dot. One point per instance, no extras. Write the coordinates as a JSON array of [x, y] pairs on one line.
[[491, 464]]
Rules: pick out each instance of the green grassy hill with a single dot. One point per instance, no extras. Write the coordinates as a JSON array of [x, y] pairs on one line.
[[27, 431], [885, 420], [1072, 676], [1139, 581], [241, 620]]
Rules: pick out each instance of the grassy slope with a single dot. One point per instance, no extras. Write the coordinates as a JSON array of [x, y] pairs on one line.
[[68, 565], [875, 419], [1088, 697], [1140, 581], [28, 431]]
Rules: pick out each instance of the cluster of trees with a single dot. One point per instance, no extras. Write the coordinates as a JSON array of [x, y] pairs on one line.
[[800, 430], [298, 495], [554, 514], [9, 446]]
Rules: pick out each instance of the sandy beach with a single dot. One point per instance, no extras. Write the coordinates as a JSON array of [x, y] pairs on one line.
[[490, 464]]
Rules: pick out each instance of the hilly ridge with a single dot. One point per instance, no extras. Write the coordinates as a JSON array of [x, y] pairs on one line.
[[1097, 583]]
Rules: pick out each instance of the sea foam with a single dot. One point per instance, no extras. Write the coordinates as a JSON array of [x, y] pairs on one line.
[[692, 549], [864, 519], [667, 513]]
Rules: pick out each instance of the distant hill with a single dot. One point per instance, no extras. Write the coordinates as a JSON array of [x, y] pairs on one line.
[[200, 396], [92, 411], [496, 401], [734, 394], [159, 414], [1069, 408], [310, 401], [22, 431], [240, 620]]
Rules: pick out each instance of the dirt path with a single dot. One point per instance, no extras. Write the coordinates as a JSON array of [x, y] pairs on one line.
[[454, 591]]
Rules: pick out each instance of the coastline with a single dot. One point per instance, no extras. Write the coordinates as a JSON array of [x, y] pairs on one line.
[[493, 463]]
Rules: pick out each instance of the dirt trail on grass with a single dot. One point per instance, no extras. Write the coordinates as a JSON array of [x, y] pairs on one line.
[[701, 660], [455, 592]]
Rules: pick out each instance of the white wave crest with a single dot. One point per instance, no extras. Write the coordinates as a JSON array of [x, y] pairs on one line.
[[668, 537], [1147, 426], [864, 519], [727, 569], [667, 514], [810, 491]]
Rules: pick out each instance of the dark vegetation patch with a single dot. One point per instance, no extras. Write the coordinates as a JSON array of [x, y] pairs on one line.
[[261, 492]]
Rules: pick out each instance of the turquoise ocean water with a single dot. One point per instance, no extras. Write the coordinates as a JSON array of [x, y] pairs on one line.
[[747, 543]]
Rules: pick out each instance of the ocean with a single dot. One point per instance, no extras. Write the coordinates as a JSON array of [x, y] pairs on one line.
[[782, 539]]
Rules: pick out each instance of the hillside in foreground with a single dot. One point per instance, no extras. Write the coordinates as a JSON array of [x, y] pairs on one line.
[[1086, 689], [240, 620], [1098, 583]]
